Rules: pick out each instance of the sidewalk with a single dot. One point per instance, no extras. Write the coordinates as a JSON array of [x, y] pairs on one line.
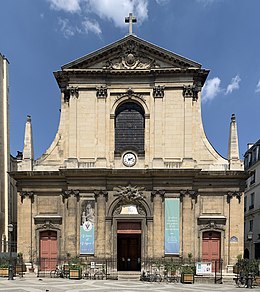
[[30, 283]]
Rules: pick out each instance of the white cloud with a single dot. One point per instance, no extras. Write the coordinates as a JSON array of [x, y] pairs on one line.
[[91, 26], [116, 10], [210, 89], [233, 85], [66, 5], [65, 27], [112, 10], [258, 86], [162, 2]]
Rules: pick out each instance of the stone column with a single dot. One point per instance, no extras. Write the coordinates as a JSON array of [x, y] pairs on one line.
[[158, 124], [71, 234], [149, 238], [158, 223], [73, 147], [100, 244], [189, 235], [235, 226], [25, 234], [108, 238]]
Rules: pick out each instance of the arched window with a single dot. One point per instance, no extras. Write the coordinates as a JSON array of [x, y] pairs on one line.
[[129, 128]]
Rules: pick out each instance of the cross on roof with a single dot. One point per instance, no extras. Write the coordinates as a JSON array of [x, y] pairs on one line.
[[130, 19]]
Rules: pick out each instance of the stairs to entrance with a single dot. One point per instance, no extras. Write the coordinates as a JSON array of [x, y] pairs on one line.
[[129, 276]]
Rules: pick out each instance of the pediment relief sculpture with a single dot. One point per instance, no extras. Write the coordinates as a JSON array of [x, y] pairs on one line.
[[130, 194]]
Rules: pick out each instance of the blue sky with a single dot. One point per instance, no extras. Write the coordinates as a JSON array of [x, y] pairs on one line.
[[38, 37]]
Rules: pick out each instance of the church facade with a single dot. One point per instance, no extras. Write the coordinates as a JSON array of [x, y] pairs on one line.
[[130, 174]]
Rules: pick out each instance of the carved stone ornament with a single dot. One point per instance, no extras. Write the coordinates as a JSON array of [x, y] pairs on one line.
[[70, 92], [130, 194], [237, 195], [24, 194], [191, 92], [130, 57], [158, 91], [67, 193], [130, 94], [211, 225], [193, 194], [101, 91], [160, 193]]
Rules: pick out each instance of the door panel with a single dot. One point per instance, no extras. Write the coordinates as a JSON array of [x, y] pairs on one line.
[[211, 247], [48, 250], [128, 252]]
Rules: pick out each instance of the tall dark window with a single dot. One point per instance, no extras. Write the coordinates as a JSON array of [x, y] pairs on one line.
[[129, 128]]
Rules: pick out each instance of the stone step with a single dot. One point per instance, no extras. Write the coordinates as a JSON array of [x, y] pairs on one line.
[[129, 276]]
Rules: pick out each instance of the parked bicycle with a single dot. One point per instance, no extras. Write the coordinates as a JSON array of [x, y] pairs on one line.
[[57, 273]]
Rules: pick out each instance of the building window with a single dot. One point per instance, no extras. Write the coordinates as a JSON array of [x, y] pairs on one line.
[[245, 203], [252, 177], [252, 201], [251, 224], [129, 128]]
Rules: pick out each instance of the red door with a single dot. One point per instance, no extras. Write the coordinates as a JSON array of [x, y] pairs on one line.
[[211, 248], [48, 250]]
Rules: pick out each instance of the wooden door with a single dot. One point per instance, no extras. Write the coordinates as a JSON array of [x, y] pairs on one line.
[[211, 248], [48, 250]]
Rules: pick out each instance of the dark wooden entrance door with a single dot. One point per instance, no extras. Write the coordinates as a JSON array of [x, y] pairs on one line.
[[128, 246], [129, 252], [48, 250], [211, 248]]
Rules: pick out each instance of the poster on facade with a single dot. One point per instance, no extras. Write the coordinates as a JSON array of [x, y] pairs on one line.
[[172, 226], [87, 227]]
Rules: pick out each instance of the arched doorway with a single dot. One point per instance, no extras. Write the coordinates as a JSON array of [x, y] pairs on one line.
[[211, 244], [48, 250]]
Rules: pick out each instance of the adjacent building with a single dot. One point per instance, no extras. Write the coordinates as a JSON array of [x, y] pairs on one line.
[[130, 174], [252, 202], [7, 163]]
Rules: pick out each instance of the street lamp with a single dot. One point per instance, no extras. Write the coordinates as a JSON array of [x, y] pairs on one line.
[[10, 270]]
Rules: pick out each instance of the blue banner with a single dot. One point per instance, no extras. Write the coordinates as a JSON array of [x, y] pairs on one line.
[[87, 228], [172, 226]]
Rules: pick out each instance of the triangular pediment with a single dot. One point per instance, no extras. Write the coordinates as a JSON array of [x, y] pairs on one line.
[[131, 53]]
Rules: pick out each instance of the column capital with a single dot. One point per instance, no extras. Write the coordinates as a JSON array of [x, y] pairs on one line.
[[235, 194], [193, 194], [25, 194], [160, 193], [99, 193], [68, 193]]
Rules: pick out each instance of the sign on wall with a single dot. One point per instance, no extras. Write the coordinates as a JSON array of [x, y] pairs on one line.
[[172, 226], [203, 268], [87, 227]]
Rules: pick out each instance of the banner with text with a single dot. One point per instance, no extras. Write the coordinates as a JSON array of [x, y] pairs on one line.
[[172, 226], [87, 230]]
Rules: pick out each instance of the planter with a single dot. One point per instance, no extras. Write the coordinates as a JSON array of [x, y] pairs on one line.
[[4, 272], [235, 269], [187, 278], [75, 274], [20, 268]]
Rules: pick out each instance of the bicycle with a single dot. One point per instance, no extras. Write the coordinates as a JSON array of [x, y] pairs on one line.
[[57, 273], [240, 281]]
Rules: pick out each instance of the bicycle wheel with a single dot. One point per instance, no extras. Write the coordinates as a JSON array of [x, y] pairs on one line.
[[53, 274]]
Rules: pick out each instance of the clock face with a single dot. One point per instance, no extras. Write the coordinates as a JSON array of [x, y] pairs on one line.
[[129, 159]]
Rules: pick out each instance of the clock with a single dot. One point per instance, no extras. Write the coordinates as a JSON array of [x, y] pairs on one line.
[[129, 159]]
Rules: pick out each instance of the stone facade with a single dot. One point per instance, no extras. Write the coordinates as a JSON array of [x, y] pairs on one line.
[[130, 140]]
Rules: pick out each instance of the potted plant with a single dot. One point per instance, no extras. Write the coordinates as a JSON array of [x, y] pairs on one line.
[[187, 274], [20, 266], [75, 270]]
